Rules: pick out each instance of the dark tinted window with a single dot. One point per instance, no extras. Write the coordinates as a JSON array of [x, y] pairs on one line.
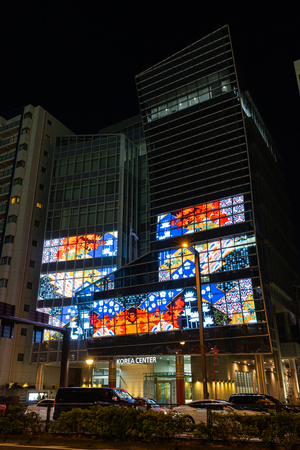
[[84, 395], [245, 400], [257, 400], [105, 395]]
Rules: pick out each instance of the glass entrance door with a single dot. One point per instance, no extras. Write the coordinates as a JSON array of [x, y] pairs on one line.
[[163, 392]]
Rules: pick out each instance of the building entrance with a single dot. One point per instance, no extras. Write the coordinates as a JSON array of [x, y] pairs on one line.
[[162, 387], [163, 392]]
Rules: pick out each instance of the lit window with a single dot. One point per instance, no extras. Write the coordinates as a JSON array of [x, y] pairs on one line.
[[26, 130], [47, 137], [15, 199], [39, 205]]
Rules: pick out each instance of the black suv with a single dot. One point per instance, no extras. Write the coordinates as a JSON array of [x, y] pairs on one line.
[[84, 397], [258, 402]]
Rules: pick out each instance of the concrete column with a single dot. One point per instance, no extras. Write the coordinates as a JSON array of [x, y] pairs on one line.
[[294, 378], [65, 355], [180, 379], [112, 377], [287, 326], [282, 394], [260, 373], [279, 376], [39, 377], [254, 381]]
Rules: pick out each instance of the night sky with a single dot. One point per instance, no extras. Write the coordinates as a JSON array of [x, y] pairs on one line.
[[78, 60]]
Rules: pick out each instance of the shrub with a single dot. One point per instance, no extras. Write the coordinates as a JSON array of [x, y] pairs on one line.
[[273, 428], [120, 423], [17, 421]]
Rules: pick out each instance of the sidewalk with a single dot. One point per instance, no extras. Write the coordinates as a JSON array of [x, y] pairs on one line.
[[86, 443]]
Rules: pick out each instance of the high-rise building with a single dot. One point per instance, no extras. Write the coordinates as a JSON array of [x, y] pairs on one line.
[[197, 167], [27, 138], [93, 212], [215, 182]]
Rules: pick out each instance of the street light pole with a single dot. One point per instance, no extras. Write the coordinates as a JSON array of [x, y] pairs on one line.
[[90, 380], [199, 304]]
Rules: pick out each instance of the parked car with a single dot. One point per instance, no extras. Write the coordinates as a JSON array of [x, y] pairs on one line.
[[41, 408], [145, 403], [197, 411], [84, 397], [258, 402]]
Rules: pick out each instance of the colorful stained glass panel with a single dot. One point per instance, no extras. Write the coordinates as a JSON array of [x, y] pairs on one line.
[[201, 217]]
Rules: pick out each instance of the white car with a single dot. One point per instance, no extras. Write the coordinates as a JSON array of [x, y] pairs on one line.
[[41, 407], [197, 411], [144, 403]]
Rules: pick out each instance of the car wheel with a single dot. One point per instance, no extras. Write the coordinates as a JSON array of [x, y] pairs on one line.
[[189, 421]]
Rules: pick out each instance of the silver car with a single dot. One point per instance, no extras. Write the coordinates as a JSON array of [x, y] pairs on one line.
[[197, 411], [41, 407], [145, 403]]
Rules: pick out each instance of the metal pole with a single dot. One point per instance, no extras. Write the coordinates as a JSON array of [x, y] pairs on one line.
[[201, 332], [64, 364]]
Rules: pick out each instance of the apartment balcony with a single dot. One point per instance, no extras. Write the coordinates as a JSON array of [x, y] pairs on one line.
[[9, 142], [5, 174], [7, 130], [4, 188], [7, 157], [3, 206]]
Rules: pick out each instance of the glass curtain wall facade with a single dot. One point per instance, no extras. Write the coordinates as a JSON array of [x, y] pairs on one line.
[[201, 126], [134, 130], [213, 177], [93, 206]]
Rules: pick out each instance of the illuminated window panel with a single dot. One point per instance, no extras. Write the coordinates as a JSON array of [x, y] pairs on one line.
[[220, 255], [217, 214], [80, 247], [228, 303], [67, 284], [62, 317]]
